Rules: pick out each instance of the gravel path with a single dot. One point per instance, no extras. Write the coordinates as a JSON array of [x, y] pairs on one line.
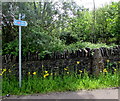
[[109, 93]]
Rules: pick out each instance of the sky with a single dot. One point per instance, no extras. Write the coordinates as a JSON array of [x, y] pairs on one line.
[[98, 3], [89, 3], [85, 3]]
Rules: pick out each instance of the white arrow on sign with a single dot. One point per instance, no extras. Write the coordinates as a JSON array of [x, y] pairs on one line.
[[24, 23]]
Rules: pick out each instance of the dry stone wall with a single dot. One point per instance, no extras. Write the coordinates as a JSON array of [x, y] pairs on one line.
[[92, 60]]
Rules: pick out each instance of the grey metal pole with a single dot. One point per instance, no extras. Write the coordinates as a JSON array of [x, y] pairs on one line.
[[20, 53]]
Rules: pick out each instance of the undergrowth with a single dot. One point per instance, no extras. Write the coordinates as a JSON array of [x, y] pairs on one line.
[[36, 84]]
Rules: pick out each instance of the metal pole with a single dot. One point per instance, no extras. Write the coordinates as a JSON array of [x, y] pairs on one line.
[[93, 22], [20, 53]]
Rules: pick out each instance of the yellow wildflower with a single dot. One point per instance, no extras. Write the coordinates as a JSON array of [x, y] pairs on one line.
[[80, 71], [67, 72], [0, 73], [105, 70], [51, 73], [34, 73], [46, 75], [65, 69], [108, 60], [118, 61], [9, 70], [46, 71], [78, 62], [42, 66], [28, 73], [4, 70], [115, 70]]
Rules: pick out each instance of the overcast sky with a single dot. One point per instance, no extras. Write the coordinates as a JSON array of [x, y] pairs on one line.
[[89, 3], [98, 3]]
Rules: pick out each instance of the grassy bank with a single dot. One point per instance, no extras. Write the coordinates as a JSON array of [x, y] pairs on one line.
[[70, 82]]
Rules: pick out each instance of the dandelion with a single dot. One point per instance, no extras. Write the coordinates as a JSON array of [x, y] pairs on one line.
[[2, 73], [78, 62], [105, 70], [46, 71], [4, 70], [9, 70], [115, 70], [28, 73], [108, 60], [42, 66], [46, 75], [80, 71], [51, 73], [65, 69], [34, 73]]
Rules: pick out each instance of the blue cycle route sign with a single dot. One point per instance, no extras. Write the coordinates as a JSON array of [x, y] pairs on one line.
[[20, 23]]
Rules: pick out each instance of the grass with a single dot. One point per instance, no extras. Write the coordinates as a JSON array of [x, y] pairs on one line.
[[36, 84]]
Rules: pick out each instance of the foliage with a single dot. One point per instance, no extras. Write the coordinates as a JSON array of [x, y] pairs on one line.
[[106, 22], [11, 48], [78, 45], [47, 81], [59, 26], [37, 84]]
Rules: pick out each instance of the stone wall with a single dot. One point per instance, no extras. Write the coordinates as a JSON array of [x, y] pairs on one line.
[[92, 60]]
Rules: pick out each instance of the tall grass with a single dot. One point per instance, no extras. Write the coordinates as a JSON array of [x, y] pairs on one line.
[[71, 82]]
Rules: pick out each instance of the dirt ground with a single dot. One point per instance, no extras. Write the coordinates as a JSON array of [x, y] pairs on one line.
[[108, 93]]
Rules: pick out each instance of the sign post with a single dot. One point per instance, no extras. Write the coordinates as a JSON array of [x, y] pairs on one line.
[[20, 53], [20, 23]]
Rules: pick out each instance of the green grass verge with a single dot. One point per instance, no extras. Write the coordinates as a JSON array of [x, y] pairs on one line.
[[35, 84]]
